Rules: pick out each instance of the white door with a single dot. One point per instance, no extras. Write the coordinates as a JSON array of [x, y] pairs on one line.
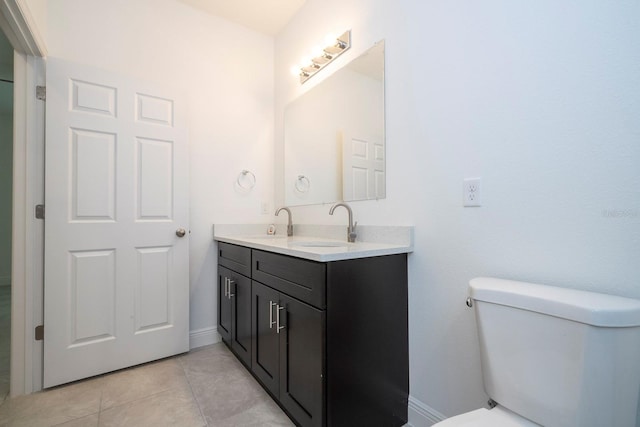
[[116, 272], [362, 168]]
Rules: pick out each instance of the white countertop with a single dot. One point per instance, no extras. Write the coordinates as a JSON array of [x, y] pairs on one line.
[[304, 244]]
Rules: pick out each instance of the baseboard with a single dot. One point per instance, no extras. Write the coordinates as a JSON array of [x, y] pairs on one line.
[[204, 336], [421, 415]]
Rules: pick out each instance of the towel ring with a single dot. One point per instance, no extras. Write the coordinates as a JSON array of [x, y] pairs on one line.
[[246, 180], [302, 184]]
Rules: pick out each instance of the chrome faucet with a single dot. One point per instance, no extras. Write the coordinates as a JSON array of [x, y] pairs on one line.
[[351, 230], [289, 223]]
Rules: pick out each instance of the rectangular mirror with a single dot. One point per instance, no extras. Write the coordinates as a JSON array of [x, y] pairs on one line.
[[334, 140]]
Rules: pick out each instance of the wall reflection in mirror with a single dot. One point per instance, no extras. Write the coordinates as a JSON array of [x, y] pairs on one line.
[[334, 141]]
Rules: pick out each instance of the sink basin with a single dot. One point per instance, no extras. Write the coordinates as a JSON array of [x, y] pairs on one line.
[[319, 244]]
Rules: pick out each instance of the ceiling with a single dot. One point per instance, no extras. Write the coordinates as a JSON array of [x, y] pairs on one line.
[[265, 16]]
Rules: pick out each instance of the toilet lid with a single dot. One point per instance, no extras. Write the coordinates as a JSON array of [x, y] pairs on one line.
[[496, 417]]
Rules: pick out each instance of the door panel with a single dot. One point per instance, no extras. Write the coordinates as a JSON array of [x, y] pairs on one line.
[[155, 176], [92, 292], [153, 290], [152, 109], [363, 167], [302, 361], [116, 274], [93, 98], [265, 345], [93, 175]]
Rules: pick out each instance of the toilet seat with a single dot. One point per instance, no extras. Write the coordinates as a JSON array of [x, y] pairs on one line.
[[496, 417]]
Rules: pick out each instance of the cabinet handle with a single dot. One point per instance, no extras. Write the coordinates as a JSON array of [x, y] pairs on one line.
[[271, 322], [231, 283], [278, 327], [226, 288]]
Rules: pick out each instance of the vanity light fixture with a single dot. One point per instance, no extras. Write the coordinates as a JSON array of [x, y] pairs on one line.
[[328, 54]]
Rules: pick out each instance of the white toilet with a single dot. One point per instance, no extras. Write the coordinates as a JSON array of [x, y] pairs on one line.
[[555, 357]]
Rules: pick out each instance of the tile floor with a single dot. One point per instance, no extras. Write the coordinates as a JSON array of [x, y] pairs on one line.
[[205, 387]]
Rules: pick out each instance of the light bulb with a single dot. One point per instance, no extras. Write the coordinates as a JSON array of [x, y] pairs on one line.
[[330, 39]]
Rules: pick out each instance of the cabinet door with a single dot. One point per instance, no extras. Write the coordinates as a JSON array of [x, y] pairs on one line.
[[224, 304], [302, 361], [265, 347], [241, 317]]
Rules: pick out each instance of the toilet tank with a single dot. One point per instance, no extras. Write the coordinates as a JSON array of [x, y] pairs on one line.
[[559, 357]]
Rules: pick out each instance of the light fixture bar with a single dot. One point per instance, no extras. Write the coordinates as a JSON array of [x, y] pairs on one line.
[[329, 53]]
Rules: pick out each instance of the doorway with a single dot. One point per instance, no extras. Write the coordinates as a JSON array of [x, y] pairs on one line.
[[27, 233], [6, 185]]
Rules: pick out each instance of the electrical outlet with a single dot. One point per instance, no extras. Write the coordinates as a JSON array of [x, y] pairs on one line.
[[471, 192], [264, 208]]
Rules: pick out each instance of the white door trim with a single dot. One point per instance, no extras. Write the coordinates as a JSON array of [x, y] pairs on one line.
[[18, 25], [28, 189], [28, 233]]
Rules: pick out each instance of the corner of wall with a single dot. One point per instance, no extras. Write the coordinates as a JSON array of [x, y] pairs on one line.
[[203, 337]]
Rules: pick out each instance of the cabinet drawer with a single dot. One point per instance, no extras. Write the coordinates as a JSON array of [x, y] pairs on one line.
[[236, 258], [299, 278]]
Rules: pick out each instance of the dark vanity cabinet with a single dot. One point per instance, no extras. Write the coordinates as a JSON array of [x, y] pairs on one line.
[[234, 299], [289, 332], [328, 340]]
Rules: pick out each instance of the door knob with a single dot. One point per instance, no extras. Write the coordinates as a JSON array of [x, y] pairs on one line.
[[180, 232]]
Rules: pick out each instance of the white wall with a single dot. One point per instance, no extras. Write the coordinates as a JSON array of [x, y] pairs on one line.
[[6, 180], [227, 74], [541, 99], [37, 10]]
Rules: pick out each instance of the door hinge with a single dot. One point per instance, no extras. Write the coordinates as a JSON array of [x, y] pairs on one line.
[[41, 93], [39, 332], [39, 211]]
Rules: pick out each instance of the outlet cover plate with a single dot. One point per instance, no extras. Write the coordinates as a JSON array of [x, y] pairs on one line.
[[471, 192]]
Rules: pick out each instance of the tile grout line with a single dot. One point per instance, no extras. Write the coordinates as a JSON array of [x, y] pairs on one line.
[[100, 378], [204, 419], [100, 407], [138, 399], [131, 368]]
